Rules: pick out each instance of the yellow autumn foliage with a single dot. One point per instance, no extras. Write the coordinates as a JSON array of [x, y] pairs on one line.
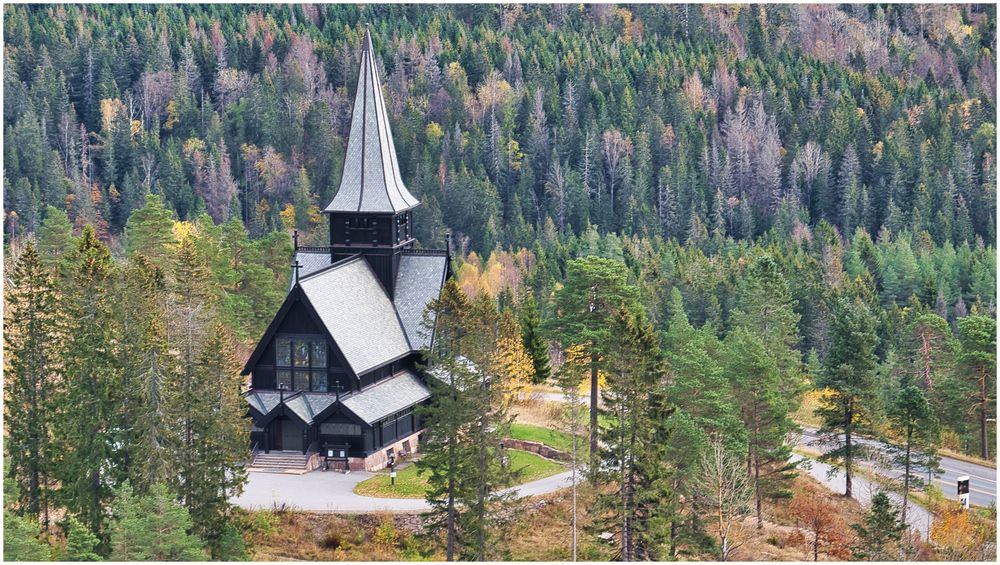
[[183, 231]]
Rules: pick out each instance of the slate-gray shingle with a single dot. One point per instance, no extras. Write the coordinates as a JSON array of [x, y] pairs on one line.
[[418, 282], [371, 181], [387, 397], [353, 306]]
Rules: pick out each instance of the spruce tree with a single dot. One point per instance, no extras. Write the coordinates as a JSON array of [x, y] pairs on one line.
[[33, 339], [86, 404], [878, 531], [446, 457], [81, 544], [153, 527], [637, 505], [534, 343]]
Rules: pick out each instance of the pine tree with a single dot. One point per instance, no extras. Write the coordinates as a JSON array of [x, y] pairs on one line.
[[911, 419], [33, 339], [593, 289], [151, 528], [849, 374], [534, 344], [765, 404], [977, 372]]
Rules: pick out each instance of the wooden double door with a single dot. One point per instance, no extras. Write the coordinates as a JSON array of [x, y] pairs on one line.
[[287, 435]]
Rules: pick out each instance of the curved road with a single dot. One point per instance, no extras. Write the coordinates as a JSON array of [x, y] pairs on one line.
[[333, 492], [982, 479]]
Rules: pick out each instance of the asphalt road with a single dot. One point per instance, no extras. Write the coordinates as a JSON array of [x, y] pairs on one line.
[[982, 479], [332, 492]]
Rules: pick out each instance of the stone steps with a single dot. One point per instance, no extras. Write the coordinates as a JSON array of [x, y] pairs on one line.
[[280, 462]]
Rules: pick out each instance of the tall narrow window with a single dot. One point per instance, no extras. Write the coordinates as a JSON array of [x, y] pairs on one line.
[[301, 363]]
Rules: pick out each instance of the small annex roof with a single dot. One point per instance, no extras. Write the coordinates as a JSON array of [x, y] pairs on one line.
[[357, 313], [310, 262], [263, 401], [386, 397], [418, 282], [371, 181], [307, 405]]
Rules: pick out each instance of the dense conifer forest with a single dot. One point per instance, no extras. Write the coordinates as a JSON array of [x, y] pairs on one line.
[[789, 213]]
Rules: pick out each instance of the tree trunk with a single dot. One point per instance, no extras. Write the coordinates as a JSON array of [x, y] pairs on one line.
[[848, 449], [450, 549], [984, 451], [593, 409], [906, 473]]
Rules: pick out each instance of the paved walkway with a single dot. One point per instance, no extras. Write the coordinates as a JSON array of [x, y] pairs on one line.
[[332, 492]]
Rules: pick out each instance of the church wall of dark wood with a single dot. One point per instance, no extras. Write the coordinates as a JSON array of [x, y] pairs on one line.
[[299, 323]]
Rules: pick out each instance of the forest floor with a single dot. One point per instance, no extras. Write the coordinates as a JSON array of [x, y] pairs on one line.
[[538, 529]]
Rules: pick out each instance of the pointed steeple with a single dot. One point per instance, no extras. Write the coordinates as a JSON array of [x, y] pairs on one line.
[[371, 181]]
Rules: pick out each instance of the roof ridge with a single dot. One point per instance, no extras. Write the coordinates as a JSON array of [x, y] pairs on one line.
[[333, 266]]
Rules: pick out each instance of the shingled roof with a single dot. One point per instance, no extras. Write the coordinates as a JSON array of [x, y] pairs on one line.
[[371, 181], [309, 262], [418, 282], [355, 310], [388, 396]]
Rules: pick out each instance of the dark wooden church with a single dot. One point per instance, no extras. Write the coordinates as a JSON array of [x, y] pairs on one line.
[[338, 364]]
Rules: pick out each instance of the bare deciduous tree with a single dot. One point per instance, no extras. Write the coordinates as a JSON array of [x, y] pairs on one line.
[[616, 148], [727, 496]]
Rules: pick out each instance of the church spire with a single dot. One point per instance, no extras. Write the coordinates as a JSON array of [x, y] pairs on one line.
[[371, 181]]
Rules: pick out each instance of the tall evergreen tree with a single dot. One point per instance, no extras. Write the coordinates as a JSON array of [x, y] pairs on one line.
[[849, 375], [534, 343], [593, 289], [765, 405], [86, 406], [638, 504], [913, 422], [33, 337], [977, 372]]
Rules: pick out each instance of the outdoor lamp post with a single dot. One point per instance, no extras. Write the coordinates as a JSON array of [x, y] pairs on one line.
[[503, 456], [392, 467]]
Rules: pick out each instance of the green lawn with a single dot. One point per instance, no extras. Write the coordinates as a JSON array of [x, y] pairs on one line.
[[552, 438], [411, 485]]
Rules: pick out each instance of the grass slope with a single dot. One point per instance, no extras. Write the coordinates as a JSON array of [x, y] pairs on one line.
[[409, 484]]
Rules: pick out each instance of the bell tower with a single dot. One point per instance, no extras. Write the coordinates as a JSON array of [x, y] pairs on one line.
[[371, 213]]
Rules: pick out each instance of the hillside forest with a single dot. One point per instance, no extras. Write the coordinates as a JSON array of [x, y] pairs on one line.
[[774, 215]]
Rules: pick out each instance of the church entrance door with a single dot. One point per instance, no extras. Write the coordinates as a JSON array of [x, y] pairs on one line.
[[290, 436]]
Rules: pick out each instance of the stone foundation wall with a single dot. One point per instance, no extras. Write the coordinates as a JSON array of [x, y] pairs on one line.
[[377, 461], [537, 448]]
